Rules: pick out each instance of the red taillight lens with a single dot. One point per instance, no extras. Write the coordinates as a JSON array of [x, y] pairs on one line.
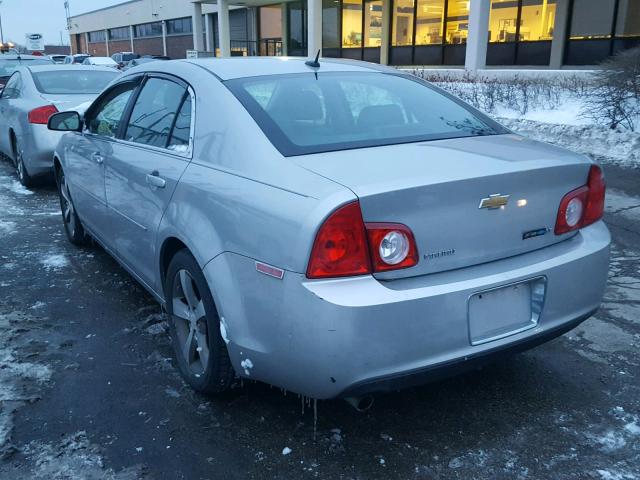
[[41, 115], [340, 248], [392, 246], [583, 206]]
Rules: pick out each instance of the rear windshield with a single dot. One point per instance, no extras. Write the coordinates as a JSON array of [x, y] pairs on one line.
[[305, 113], [7, 67], [69, 82], [80, 58]]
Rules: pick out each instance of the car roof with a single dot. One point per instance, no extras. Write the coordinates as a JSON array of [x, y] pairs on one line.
[[69, 66], [239, 67], [14, 56]]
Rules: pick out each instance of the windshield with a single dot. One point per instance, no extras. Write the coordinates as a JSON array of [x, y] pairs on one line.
[[69, 82], [7, 67], [103, 61], [305, 113]]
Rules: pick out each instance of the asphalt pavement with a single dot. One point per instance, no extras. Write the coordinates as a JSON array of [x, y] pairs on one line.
[[88, 387]]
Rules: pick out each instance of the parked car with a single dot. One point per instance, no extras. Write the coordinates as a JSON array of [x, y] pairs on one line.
[[31, 95], [9, 63], [333, 231], [122, 58], [57, 58], [100, 61], [141, 61], [78, 58]]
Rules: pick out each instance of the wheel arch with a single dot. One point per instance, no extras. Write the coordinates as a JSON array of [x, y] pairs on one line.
[[170, 246]]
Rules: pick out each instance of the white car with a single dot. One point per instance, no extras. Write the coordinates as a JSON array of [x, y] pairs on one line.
[[101, 61]]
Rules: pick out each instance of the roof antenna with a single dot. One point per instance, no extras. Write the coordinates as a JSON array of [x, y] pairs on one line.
[[314, 63]]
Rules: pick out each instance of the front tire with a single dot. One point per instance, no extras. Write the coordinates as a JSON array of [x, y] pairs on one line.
[[72, 224], [200, 351]]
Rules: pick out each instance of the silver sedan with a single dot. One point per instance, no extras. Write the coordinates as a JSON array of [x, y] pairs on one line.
[[29, 98], [334, 229]]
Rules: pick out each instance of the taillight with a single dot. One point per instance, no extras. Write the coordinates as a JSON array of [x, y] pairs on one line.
[[340, 248], [392, 246], [583, 206], [345, 246], [41, 115]]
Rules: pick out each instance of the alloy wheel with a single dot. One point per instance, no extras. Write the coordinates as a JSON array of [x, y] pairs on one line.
[[67, 207], [190, 322]]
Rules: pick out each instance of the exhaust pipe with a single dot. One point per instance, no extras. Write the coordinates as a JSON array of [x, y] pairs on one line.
[[361, 404]]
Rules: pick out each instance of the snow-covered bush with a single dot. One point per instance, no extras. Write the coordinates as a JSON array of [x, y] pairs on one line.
[[614, 98]]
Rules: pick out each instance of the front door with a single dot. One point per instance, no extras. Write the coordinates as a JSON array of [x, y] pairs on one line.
[[144, 169]]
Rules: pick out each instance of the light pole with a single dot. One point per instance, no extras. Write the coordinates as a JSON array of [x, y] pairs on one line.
[[1, 34]]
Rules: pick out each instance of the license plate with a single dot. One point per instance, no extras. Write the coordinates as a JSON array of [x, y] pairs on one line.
[[503, 311]]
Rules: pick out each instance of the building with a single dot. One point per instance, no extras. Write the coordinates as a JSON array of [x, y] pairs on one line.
[[471, 33]]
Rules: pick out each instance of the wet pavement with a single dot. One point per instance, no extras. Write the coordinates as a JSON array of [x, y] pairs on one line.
[[88, 387]]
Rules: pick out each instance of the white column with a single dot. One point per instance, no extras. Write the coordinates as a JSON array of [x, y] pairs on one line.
[[386, 34], [106, 40], [285, 29], [196, 21], [314, 26], [131, 36], [210, 33], [164, 37], [223, 28], [476, 57], [559, 40]]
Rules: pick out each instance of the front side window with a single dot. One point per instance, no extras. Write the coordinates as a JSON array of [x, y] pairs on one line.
[[105, 119], [72, 82], [154, 112], [303, 114]]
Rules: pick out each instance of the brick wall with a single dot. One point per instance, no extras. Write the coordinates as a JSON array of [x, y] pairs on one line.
[[178, 45], [148, 46], [119, 46], [98, 49], [80, 44]]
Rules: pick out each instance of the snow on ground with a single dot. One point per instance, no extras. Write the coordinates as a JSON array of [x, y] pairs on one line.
[[54, 262]]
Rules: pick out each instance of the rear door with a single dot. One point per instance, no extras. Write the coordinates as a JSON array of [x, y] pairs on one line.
[[144, 168], [7, 116]]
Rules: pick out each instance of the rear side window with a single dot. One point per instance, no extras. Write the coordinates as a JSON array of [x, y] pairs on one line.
[[13, 87], [154, 112], [312, 113], [181, 133]]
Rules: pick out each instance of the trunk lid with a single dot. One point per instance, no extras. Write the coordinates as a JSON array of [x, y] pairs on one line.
[[436, 188], [68, 102]]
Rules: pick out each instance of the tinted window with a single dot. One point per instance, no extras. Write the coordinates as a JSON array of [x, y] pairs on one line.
[[182, 129], [105, 118], [64, 82], [7, 67], [334, 111], [154, 112]]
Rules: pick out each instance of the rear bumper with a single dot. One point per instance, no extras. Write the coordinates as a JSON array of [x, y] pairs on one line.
[[331, 338], [38, 150]]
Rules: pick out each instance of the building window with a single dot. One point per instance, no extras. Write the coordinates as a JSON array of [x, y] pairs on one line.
[[503, 19], [148, 30], [179, 26], [429, 22], [330, 24], [351, 23], [373, 23], [457, 21], [592, 19], [121, 33], [97, 37], [402, 31], [537, 19], [628, 23], [298, 28]]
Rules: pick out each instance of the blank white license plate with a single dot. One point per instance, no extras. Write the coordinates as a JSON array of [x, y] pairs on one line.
[[499, 312]]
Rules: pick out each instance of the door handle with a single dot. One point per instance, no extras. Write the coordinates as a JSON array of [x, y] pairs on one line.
[[98, 158], [154, 180]]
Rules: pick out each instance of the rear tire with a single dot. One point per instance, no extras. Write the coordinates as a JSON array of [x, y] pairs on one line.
[[194, 324], [72, 224], [21, 170]]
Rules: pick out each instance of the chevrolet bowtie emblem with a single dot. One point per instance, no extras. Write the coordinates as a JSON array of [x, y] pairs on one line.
[[494, 201]]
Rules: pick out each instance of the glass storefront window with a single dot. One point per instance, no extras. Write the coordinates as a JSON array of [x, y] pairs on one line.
[[457, 21], [330, 24], [351, 23], [537, 19], [503, 19], [628, 23], [592, 19], [297, 28], [402, 34], [373, 23], [429, 22]]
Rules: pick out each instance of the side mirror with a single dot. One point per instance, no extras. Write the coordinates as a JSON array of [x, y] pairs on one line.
[[65, 122]]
